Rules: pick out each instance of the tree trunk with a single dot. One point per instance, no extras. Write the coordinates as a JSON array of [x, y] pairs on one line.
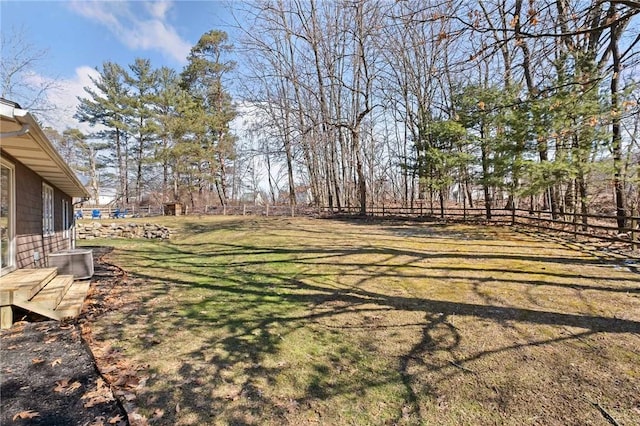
[[485, 175], [362, 185], [616, 133]]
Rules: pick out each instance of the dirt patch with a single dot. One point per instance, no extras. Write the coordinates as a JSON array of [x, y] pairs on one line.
[[49, 376]]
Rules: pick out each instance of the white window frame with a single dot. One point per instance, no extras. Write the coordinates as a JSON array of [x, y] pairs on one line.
[[65, 218], [12, 218], [47, 211]]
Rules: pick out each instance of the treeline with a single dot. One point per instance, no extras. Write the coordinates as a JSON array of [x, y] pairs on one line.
[[518, 103], [529, 104], [159, 135]]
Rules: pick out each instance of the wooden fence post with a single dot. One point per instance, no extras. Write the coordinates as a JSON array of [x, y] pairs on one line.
[[244, 210], [634, 224], [464, 207]]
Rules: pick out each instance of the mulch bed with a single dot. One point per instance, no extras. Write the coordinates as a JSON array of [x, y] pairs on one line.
[[48, 373]]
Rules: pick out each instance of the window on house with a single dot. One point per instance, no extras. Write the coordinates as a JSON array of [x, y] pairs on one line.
[[7, 217], [47, 210], [65, 218]]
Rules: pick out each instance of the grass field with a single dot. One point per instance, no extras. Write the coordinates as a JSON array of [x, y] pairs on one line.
[[273, 321]]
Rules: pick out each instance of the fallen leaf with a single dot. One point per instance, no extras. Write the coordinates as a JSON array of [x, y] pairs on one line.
[[98, 421], [177, 408], [61, 385], [109, 369], [19, 326], [100, 395], [56, 362], [65, 386], [158, 412], [93, 401], [13, 347], [137, 419], [37, 360], [116, 419], [51, 339], [127, 380], [85, 329], [27, 414]]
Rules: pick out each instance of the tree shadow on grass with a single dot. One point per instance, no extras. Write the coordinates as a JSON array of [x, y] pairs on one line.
[[257, 311]]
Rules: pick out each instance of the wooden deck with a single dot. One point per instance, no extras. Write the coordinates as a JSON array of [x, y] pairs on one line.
[[42, 291]]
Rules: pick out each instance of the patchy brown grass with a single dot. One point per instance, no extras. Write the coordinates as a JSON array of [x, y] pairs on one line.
[[303, 321]]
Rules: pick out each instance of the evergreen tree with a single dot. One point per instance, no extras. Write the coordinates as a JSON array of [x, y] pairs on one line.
[[106, 107], [142, 117], [203, 78]]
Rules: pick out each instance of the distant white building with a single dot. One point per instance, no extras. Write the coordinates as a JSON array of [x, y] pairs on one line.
[[106, 196]]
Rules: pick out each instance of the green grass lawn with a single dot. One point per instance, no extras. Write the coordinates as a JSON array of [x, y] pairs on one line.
[[244, 320]]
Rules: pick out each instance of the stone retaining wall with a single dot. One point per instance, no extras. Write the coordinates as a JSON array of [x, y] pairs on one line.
[[91, 230]]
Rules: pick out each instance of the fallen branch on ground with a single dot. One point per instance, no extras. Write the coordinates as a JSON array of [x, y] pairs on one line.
[[462, 367], [604, 412]]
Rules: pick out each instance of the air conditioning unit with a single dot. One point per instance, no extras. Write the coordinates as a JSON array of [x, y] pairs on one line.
[[76, 262]]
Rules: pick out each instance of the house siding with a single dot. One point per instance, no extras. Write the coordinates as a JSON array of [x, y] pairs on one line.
[[29, 238]]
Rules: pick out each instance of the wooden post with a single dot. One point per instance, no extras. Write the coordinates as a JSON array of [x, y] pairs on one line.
[[6, 317], [293, 210], [267, 209], [244, 210], [464, 207], [634, 225]]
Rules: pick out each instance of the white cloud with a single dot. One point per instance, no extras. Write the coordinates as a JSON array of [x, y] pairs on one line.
[[65, 98], [158, 9], [145, 29]]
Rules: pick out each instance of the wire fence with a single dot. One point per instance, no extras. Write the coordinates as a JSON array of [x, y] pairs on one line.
[[579, 226]]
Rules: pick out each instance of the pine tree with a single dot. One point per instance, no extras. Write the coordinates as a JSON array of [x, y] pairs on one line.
[[106, 108], [203, 78], [142, 117]]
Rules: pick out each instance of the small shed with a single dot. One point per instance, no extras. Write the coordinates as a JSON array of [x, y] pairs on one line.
[[173, 209]]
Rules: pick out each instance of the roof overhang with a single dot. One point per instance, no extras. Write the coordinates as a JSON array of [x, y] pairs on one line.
[[23, 139]]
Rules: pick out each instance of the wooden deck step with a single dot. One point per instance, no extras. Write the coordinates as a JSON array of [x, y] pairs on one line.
[[43, 292], [69, 305], [24, 284], [49, 297]]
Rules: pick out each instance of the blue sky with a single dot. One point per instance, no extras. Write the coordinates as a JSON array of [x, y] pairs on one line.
[[80, 35]]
